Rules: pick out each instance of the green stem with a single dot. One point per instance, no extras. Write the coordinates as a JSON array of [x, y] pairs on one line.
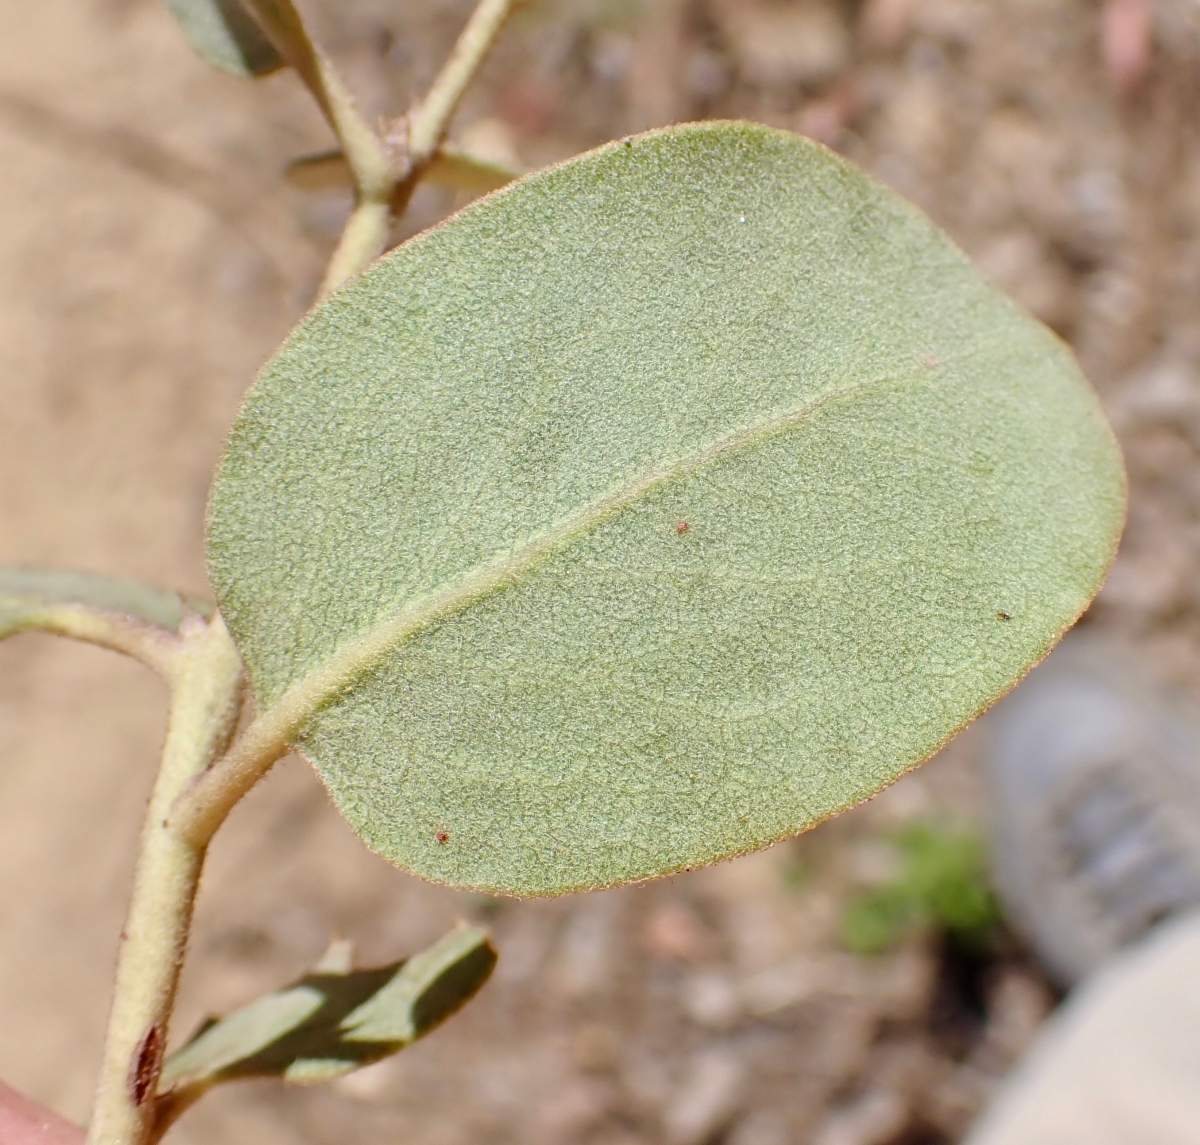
[[380, 199], [204, 708], [372, 165], [364, 150], [431, 119], [205, 668], [153, 646], [363, 240]]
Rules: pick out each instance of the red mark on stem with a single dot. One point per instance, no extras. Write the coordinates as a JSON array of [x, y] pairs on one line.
[[146, 1065]]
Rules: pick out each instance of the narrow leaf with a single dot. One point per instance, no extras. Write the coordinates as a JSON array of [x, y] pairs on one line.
[[326, 171], [332, 1022], [457, 170], [426, 991], [652, 509], [25, 593], [227, 36], [462, 171]]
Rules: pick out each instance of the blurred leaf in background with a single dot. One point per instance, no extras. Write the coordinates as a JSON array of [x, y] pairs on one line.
[[943, 883]]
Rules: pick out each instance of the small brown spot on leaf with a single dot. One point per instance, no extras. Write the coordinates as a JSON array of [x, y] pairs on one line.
[[1003, 616], [682, 527], [146, 1064], [442, 836]]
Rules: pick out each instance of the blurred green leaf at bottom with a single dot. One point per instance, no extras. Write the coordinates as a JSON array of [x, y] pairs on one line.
[[942, 883], [329, 1023]]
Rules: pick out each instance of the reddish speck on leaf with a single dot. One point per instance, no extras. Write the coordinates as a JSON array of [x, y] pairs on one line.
[[442, 836], [681, 527]]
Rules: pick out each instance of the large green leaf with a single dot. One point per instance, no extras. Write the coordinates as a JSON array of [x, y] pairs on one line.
[[653, 509], [26, 592], [331, 1022], [227, 36]]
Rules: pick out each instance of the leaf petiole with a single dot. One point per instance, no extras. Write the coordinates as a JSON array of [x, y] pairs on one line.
[[152, 646], [122, 615]]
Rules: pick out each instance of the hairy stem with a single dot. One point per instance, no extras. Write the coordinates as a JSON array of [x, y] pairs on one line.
[[419, 136], [190, 799], [430, 121], [153, 646], [370, 161], [363, 148], [363, 240], [204, 708], [203, 805]]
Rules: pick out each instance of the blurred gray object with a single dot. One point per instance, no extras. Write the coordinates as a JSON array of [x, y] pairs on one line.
[[1120, 1061], [1094, 777]]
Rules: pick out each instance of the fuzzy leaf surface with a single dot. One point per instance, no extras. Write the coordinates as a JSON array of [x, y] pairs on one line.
[[227, 36], [653, 509], [329, 1023]]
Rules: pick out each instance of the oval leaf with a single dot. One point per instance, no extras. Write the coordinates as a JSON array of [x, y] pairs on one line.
[[654, 509], [227, 36]]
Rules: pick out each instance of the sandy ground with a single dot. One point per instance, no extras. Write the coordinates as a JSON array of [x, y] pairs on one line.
[[150, 259]]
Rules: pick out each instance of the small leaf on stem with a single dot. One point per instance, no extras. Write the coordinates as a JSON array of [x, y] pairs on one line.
[[461, 171], [331, 1021]]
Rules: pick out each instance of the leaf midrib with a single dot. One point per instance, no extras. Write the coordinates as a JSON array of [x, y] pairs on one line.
[[286, 718]]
